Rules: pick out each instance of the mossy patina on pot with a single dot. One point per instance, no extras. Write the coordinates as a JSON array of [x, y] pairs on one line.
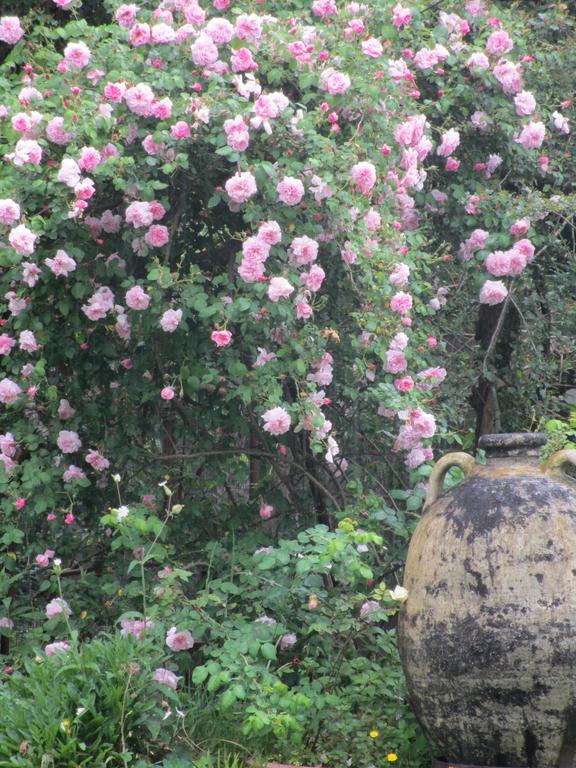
[[488, 634]]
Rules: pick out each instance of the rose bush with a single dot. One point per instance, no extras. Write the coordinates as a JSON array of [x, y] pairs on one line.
[[240, 244]]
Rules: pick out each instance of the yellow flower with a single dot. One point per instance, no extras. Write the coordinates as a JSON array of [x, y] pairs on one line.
[[391, 757], [374, 733]]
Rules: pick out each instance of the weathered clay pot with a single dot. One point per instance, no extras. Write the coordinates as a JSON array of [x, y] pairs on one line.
[[488, 634]]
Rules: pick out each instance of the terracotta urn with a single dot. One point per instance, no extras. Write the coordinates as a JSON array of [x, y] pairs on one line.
[[488, 634]]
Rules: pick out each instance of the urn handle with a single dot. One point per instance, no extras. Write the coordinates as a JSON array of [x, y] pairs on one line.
[[436, 481], [557, 463]]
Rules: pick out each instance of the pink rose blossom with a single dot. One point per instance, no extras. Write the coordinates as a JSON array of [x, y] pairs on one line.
[[477, 61], [26, 151], [270, 232], [532, 135], [372, 48], [140, 99], [65, 410], [60, 646], [508, 75], [6, 344], [157, 236], [401, 302], [242, 60], [27, 342], [400, 275], [89, 158], [68, 442], [334, 82], [560, 123], [266, 511], [62, 264], [241, 187], [520, 227], [303, 250], [204, 52], [499, 43], [279, 288], [99, 304], [10, 30], [221, 338], [30, 273], [43, 560], [73, 473], [137, 298], [165, 677], [167, 393], [180, 130], [9, 211], [290, 190], [525, 247], [303, 310], [179, 640], [404, 384], [313, 279], [525, 103], [114, 91], [249, 27], [276, 421], [6, 623], [57, 607], [22, 240], [55, 131], [170, 320], [450, 142], [364, 176], [401, 16], [69, 172], [135, 627], [77, 54], [493, 292], [162, 34], [220, 30], [125, 15], [237, 134], [139, 214], [395, 361], [96, 460]]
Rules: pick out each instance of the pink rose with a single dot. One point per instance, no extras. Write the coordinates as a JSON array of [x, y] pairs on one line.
[[532, 135], [525, 103], [139, 214], [401, 302], [242, 60], [237, 134], [9, 211], [62, 264], [525, 247], [22, 240], [401, 16], [167, 393], [324, 8], [241, 187], [26, 151], [69, 172], [180, 130], [114, 91], [493, 292], [279, 288], [162, 34], [60, 646], [126, 14], [204, 52], [404, 384], [287, 641], [313, 279], [477, 61], [266, 511], [290, 190], [364, 176], [179, 640], [395, 361], [96, 460], [372, 48], [65, 410], [170, 320], [450, 142], [508, 75], [220, 30], [276, 421], [249, 27], [9, 391], [140, 99], [6, 344], [55, 131], [334, 82], [137, 298], [221, 338], [303, 250], [400, 275], [57, 607], [77, 55], [68, 442], [165, 677], [270, 232], [135, 627], [27, 342], [499, 43], [157, 235], [89, 159], [10, 30]]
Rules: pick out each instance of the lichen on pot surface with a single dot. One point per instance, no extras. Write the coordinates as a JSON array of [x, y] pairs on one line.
[[488, 634]]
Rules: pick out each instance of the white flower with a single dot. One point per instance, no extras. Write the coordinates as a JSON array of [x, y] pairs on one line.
[[400, 594], [123, 512]]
